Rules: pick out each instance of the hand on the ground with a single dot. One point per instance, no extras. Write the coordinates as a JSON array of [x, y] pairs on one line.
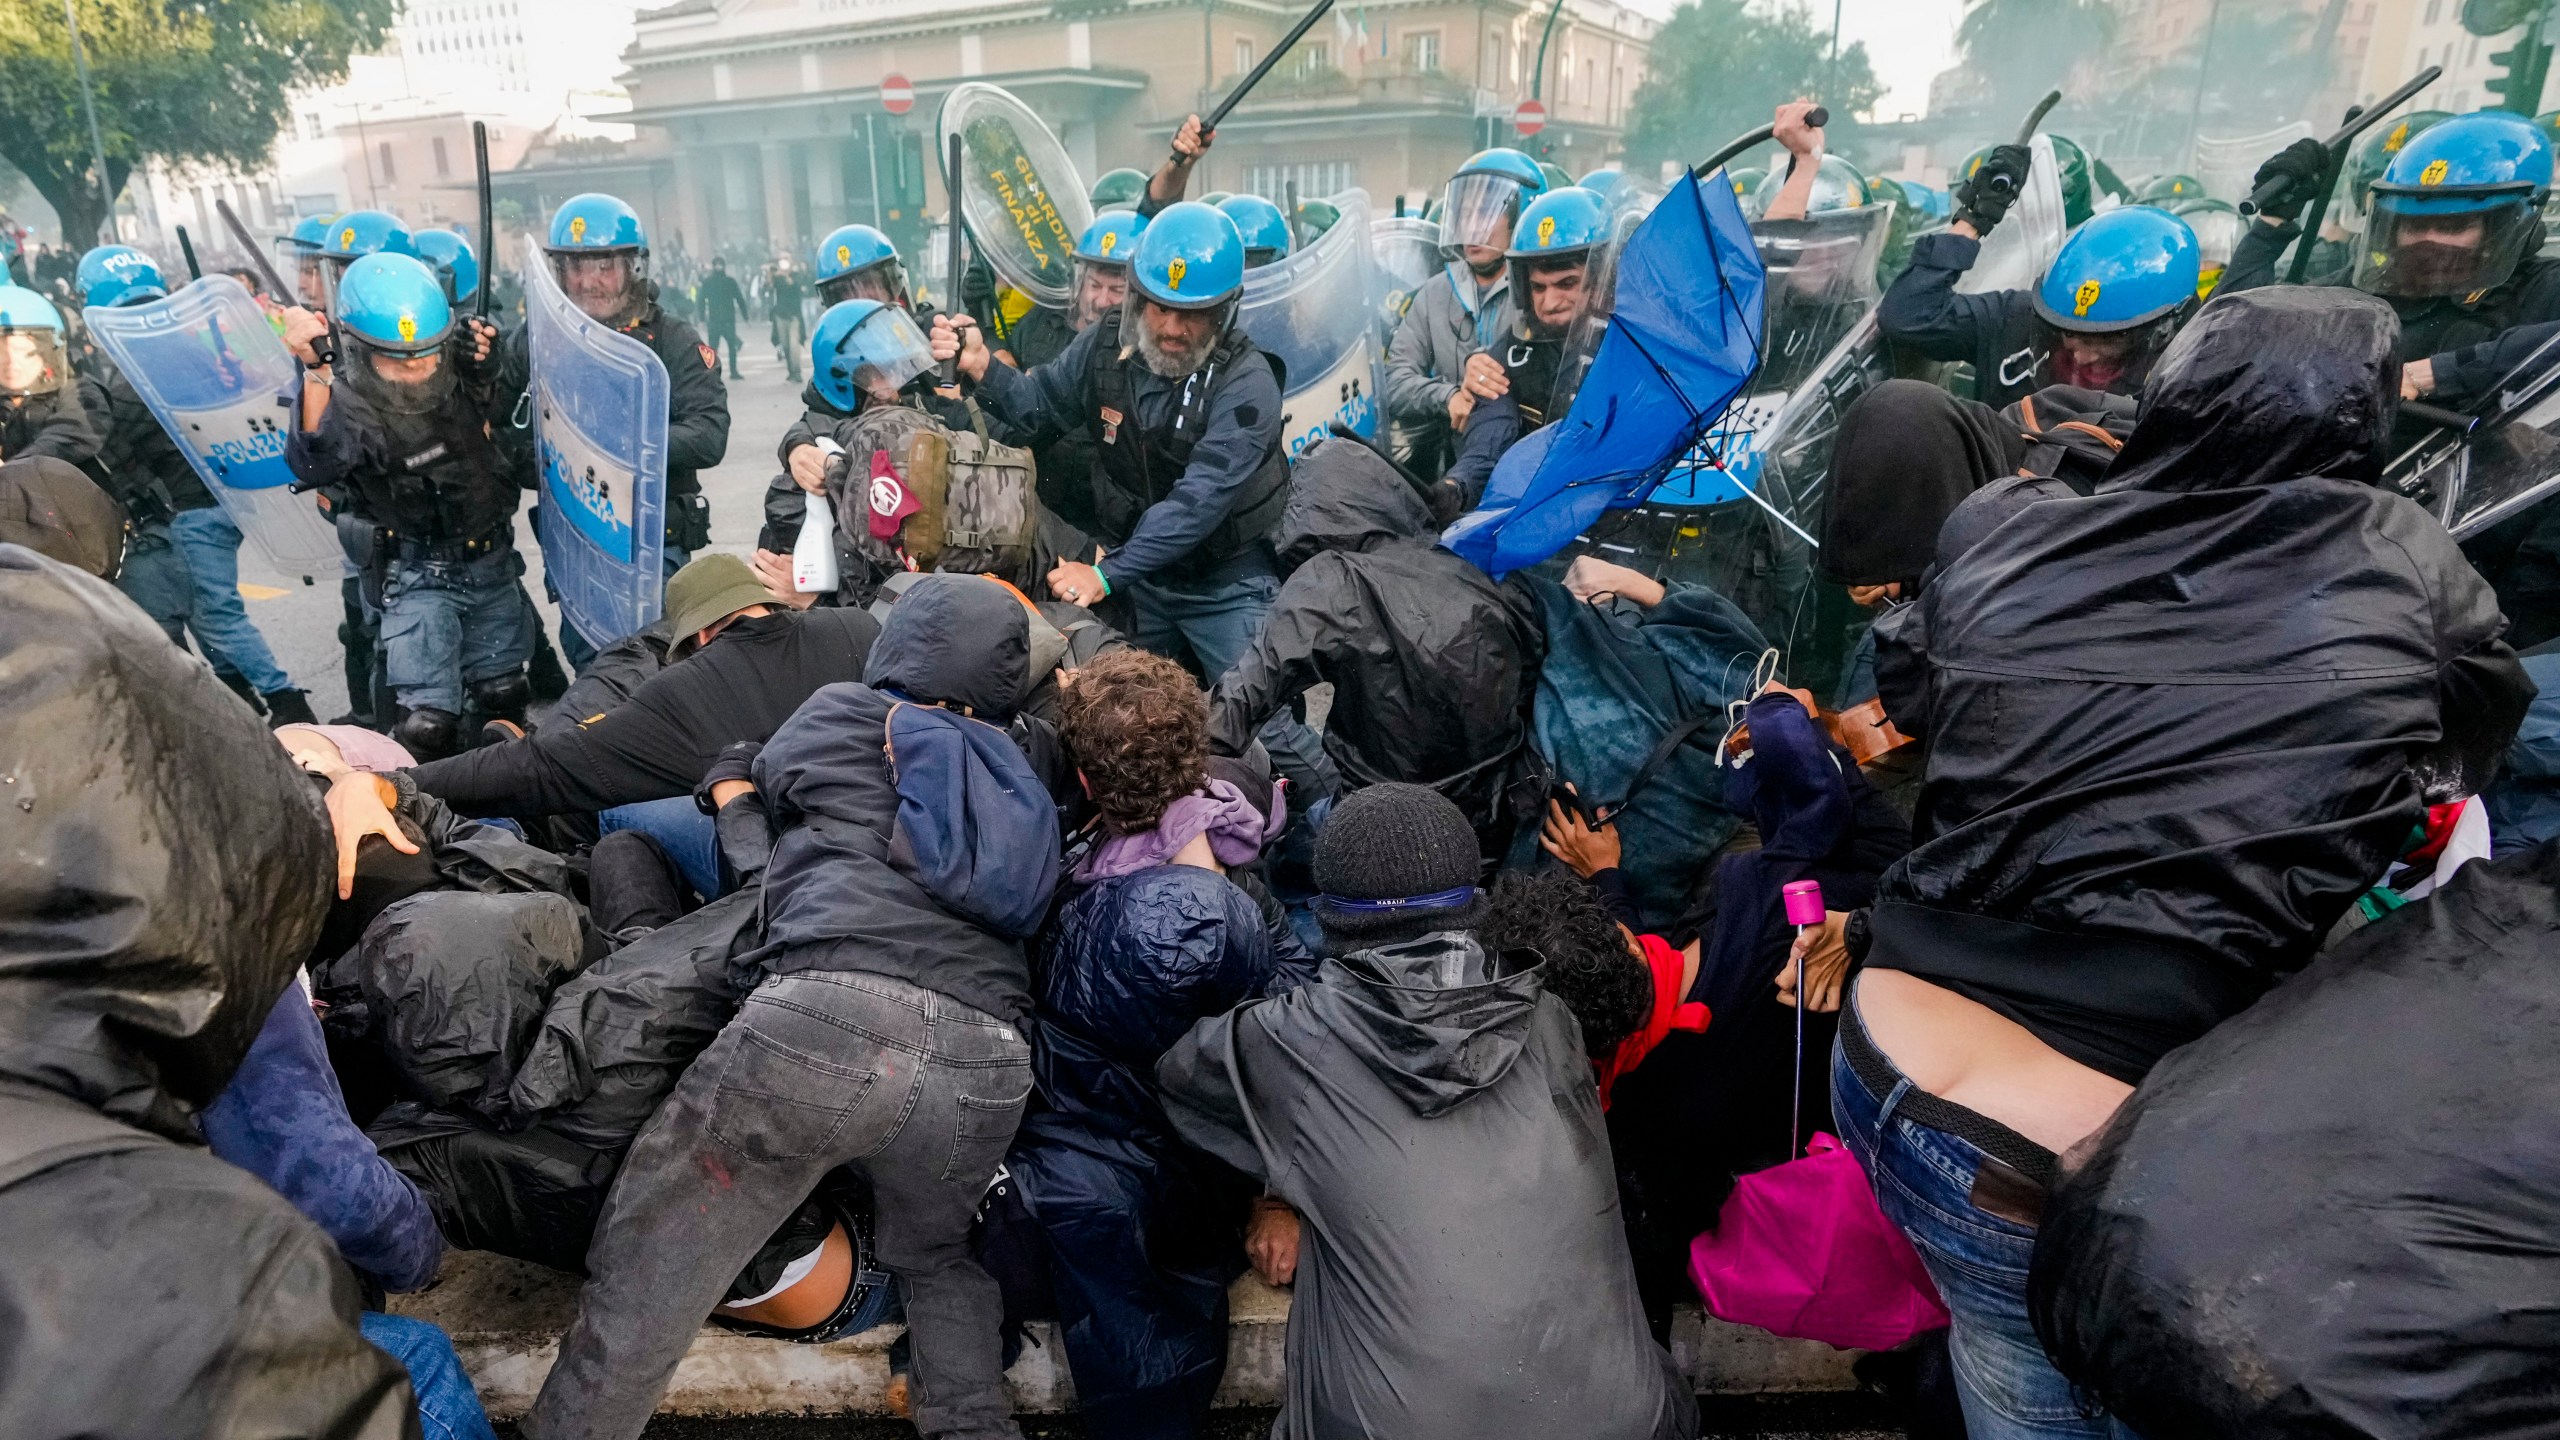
[[2300, 165], [1792, 131], [775, 573], [1271, 1240], [2417, 379], [1595, 581], [1462, 403], [1485, 377], [303, 331], [1585, 849], [956, 337], [360, 805], [1076, 583], [1825, 950], [809, 469]]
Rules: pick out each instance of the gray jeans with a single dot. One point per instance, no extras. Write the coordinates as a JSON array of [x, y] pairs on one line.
[[917, 1091]]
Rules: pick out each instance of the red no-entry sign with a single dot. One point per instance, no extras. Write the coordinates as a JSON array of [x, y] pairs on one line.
[[896, 95], [1530, 118]]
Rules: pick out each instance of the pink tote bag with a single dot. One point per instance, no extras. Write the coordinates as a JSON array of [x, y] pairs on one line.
[[1801, 1249]]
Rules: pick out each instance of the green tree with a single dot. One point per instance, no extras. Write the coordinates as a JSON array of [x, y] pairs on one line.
[[1719, 67], [2012, 51], [185, 80]]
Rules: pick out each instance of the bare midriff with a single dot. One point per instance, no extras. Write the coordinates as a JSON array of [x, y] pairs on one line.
[[1969, 1054]]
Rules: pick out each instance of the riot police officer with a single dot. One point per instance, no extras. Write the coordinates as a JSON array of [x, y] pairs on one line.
[[1525, 378], [40, 410], [2103, 310], [1100, 288], [298, 258], [183, 564], [600, 255], [857, 262], [1264, 228], [403, 420], [1453, 314], [1189, 475], [449, 255]]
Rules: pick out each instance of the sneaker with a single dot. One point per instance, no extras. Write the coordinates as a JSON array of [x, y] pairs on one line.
[[288, 707]]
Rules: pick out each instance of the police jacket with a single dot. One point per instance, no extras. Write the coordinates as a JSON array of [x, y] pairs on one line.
[[697, 401], [54, 424], [1427, 357], [431, 477], [1189, 476], [2175, 728], [2430, 325], [1999, 331], [1065, 474], [145, 470], [153, 1290]]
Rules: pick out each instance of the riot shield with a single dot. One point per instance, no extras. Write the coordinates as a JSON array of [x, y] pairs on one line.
[[219, 381], [2016, 252], [1312, 310], [598, 408], [2509, 462], [1406, 251], [1020, 194]]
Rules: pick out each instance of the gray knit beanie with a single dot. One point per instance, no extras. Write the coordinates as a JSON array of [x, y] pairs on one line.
[[1396, 843]]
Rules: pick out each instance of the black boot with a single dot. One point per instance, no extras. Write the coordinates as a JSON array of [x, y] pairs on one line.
[[288, 707], [240, 687]]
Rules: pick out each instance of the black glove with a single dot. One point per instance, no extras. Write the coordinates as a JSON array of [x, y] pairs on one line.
[[475, 368], [2300, 165], [1986, 194]]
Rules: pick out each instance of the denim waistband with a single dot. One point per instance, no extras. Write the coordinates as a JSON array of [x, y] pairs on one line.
[[1918, 1106]]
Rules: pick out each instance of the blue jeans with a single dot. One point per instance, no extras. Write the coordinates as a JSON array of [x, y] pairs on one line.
[[1924, 1182], [211, 545], [448, 625], [573, 646], [448, 1408], [1217, 624], [682, 830]]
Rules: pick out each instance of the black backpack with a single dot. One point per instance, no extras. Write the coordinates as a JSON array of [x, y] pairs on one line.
[[2071, 434]]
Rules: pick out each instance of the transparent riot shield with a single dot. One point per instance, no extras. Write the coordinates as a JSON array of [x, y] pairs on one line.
[[598, 408], [2018, 249], [1313, 311], [2508, 463], [1406, 252], [1020, 194], [219, 381]]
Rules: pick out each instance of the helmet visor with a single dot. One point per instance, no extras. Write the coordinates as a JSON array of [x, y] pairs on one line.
[[881, 281], [1100, 288], [2416, 255], [1479, 210], [883, 353], [608, 285], [32, 361]]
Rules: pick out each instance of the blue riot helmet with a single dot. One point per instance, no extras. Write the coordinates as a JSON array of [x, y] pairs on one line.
[[358, 233], [449, 255], [1483, 199], [2116, 294], [394, 305], [1264, 228], [856, 262], [111, 275], [1550, 255], [1102, 257], [32, 358], [1190, 257], [1603, 182], [600, 256], [866, 349], [2456, 209], [298, 260]]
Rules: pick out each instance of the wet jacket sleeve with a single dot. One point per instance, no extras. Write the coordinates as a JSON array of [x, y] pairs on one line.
[[1242, 427], [1205, 1093], [2471, 371], [1046, 401], [63, 432], [283, 1120], [2253, 259], [650, 748], [1413, 392], [2482, 688], [1493, 427], [697, 400], [1924, 311], [1316, 611]]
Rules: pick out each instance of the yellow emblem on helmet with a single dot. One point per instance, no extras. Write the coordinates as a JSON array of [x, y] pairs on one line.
[[1110, 241], [2398, 137], [408, 329], [1546, 231], [2083, 298], [1173, 273], [844, 254], [347, 238], [2433, 174], [577, 229]]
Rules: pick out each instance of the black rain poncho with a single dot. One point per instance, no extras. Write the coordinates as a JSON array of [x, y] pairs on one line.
[[163, 869], [1462, 1272]]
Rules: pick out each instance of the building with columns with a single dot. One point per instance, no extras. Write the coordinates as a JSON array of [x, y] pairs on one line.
[[771, 109]]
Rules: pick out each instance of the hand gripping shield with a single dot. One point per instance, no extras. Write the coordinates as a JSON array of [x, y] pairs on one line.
[[1314, 311], [219, 381], [1019, 192], [598, 408]]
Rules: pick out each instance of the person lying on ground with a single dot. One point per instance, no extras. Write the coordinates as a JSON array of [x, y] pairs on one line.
[[1627, 991], [1143, 1231], [1424, 1104]]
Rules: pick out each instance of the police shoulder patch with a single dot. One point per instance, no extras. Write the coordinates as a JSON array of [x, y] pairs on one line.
[[710, 357]]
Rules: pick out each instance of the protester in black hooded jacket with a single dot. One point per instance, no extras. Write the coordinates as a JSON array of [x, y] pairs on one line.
[[1432, 662], [165, 873]]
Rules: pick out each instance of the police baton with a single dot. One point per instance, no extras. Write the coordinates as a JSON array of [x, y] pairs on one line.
[[325, 350], [187, 248], [1244, 87], [488, 247], [2337, 144], [951, 367], [1817, 117]]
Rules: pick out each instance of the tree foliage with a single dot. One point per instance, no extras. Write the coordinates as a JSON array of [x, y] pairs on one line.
[[205, 81], [2010, 52], [1719, 67]]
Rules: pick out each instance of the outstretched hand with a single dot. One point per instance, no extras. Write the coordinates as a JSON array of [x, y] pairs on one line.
[[360, 805]]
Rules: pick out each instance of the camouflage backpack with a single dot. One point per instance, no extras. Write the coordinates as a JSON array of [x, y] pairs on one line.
[[910, 494]]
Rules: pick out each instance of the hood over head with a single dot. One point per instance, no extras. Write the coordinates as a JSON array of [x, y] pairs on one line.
[[1437, 1018], [1907, 455], [955, 639], [163, 866], [1344, 495], [2265, 386]]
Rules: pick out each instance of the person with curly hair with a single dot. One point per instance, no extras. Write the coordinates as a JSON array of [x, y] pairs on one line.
[[1155, 934], [1623, 988]]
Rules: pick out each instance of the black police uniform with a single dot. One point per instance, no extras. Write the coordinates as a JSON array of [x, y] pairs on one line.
[[2429, 325], [1998, 331], [54, 424]]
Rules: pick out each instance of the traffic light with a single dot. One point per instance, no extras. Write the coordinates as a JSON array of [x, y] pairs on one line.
[[2524, 66]]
